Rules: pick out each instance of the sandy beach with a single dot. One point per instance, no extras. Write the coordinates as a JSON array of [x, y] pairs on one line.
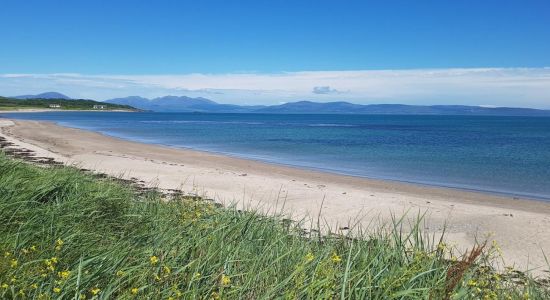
[[520, 226]]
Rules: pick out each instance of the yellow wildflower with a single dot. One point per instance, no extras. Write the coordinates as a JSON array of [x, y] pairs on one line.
[[5, 286], [335, 258], [472, 282], [135, 291], [170, 298], [157, 278], [34, 286], [64, 274], [50, 264], [13, 279], [154, 260], [33, 248], [56, 290], [215, 296], [58, 244], [82, 296], [119, 273], [225, 280], [7, 254], [309, 257], [25, 251], [197, 275], [166, 269], [95, 291], [13, 263]]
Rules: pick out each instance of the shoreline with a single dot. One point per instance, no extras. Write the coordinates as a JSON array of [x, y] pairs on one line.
[[503, 194], [435, 184], [43, 110], [494, 195], [519, 225], [509, 195]]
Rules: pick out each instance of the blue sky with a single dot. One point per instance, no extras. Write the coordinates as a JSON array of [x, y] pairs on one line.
[[68, 45]]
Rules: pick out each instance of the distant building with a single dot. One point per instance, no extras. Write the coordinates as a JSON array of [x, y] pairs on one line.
[[99, 106], [55, 106]]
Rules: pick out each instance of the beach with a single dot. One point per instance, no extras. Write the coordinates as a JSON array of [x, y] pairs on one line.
[[518, 225]]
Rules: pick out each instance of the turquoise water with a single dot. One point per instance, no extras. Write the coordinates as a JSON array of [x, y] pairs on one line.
[[509, 155]]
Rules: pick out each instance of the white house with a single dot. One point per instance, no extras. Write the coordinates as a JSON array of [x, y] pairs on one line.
[[99, 106], [55, 106]]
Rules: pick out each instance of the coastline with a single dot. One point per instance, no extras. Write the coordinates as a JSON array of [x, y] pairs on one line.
[[519, 225], [434, 185], [43, 110]]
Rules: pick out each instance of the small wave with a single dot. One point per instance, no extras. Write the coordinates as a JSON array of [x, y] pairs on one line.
[[202, 122], [300, 124], [247, 123], [331, 125]]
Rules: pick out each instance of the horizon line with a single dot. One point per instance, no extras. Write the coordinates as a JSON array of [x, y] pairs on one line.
[[502, 87]]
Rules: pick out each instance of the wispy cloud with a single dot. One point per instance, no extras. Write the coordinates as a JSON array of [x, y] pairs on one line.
[[528, 87]]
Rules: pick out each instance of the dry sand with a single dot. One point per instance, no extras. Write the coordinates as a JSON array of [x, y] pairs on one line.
[[521, 226]]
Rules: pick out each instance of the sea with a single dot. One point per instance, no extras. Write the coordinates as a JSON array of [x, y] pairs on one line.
[[492, 154]]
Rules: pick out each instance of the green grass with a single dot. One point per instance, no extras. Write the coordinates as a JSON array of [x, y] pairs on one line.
[[67, 234], [72, 104]]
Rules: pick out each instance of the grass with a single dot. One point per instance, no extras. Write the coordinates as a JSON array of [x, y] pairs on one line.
[[66, 104], [71, 235]]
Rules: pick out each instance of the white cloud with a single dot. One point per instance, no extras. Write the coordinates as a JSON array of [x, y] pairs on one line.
[[324, 90], [526, 87]]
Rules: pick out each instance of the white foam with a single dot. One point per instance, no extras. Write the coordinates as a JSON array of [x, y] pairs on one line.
[[6, 123]]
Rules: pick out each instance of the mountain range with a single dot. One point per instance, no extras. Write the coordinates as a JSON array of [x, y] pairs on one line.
[[188, 104], [182, 104], [203, 105]]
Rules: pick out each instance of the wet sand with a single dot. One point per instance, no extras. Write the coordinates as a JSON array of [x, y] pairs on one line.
[[520, 226]]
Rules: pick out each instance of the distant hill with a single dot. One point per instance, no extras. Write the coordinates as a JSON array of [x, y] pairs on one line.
[[59, 104], [181, 104], [199, 104], [47, 95], [398, 109], [188, 104], [305, 107], [135, 101]]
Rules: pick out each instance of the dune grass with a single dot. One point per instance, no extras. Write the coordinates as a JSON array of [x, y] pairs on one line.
[[70, 235]]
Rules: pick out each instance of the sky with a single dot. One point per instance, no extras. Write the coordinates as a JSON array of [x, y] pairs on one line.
[[492, 53]]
